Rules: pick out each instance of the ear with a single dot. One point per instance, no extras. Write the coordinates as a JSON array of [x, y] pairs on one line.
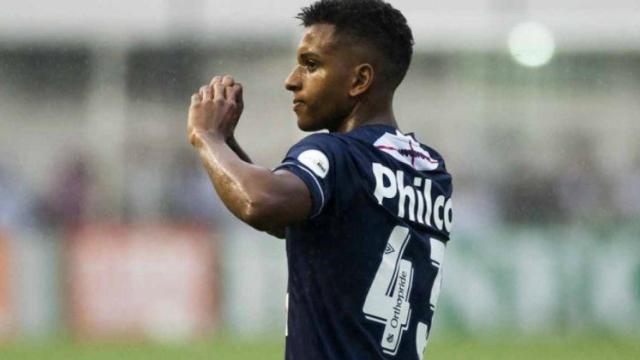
[[362, 80]]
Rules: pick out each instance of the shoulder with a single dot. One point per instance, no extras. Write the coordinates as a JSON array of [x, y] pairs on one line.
[[433, 152], [323, 140], [331, 146], [319, 153], [434, 155]]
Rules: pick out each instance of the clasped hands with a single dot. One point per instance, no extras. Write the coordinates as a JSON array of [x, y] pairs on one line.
[[215, 110]]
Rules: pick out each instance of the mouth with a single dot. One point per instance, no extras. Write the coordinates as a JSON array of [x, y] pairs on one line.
[[297, 104]]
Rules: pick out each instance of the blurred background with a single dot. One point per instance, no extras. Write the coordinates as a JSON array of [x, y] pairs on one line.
[[113, 244]]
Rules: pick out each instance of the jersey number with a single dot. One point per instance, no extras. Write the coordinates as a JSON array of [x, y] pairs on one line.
[[387, 301]]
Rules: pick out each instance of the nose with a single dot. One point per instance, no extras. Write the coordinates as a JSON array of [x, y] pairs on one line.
[[292, 82]]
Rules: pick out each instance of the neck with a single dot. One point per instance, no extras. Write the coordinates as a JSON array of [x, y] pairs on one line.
[[368, 112]]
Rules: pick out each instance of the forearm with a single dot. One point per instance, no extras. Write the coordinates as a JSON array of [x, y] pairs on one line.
[[266, 200], [243, 187]]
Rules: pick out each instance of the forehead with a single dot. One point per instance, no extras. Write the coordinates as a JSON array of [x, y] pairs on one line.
[[318, 38]]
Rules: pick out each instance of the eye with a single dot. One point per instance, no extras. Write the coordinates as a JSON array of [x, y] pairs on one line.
[[311, 65]]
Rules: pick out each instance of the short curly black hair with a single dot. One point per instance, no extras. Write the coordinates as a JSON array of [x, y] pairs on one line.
[[373, 21]]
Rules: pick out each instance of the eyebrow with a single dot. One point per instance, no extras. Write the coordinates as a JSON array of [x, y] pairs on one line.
[[308, 54]]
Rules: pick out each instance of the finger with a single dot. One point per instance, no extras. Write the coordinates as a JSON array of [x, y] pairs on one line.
[[206, 94], [236, 93], [215, 80], [227, 81], [218, 91], [195, 98], [229, 94]]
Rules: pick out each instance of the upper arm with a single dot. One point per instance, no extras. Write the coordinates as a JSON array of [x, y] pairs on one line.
[[302, 185], [285, 201]]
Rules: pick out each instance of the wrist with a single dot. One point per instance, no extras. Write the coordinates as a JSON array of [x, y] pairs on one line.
[[200, 137]]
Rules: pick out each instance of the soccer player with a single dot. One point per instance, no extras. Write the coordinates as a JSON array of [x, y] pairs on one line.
[[365, 208]]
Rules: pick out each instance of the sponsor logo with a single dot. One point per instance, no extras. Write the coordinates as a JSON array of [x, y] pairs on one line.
[[389, 249], [400, 300], [405, 149], [316, 161], [413, 201]]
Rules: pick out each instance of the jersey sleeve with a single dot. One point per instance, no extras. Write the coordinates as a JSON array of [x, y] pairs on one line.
[[314, 160]]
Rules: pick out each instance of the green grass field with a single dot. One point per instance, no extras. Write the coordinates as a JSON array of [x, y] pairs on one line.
[[584, 348]]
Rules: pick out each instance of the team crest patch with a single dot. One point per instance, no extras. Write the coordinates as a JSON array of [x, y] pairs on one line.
[[316, 161], [404, 148]]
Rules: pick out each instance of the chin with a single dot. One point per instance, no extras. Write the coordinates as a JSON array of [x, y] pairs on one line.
[[309, 124]]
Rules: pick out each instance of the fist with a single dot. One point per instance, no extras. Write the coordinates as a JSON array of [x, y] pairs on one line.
[[215, 110]]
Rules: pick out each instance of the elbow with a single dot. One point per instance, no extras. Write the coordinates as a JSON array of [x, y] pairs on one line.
[[259, 214]]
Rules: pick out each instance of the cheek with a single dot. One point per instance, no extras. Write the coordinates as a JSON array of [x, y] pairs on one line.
[[316, 85], [327, 96], [329, 91]]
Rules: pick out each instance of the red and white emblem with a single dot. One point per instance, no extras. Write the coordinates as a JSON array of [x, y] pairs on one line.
[[404, 148]]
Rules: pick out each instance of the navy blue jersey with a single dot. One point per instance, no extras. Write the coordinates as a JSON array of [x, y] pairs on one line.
[[365, 268]]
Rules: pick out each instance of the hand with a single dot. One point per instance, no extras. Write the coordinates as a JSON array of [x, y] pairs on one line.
[[215, 110]]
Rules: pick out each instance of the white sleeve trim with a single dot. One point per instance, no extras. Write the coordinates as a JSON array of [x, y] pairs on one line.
[[314, 179]]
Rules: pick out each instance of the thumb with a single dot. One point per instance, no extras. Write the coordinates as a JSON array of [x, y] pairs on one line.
[[195, 99]]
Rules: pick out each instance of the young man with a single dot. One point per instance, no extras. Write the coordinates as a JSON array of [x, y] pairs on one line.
[[366, 209]]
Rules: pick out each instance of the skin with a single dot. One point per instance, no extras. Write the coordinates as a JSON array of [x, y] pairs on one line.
[[334, 86]]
